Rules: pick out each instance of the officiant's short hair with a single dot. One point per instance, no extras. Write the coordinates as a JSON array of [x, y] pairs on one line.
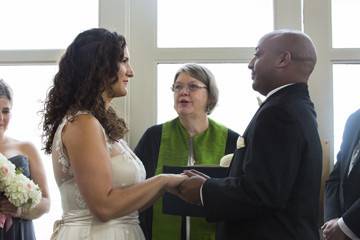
[[205, 76]]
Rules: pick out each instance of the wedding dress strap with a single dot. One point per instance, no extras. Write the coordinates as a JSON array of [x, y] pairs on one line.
[[85, 218]]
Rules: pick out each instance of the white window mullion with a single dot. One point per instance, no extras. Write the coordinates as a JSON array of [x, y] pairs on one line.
[[345, 55], [317, 24], [142, 93], [114, 15], [287, 14], [238, 55], [29, 56]]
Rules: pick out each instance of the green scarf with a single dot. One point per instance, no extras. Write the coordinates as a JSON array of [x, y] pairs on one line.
[[208, 148]]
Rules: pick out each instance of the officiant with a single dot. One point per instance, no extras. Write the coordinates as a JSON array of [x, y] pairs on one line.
[[190, 139]]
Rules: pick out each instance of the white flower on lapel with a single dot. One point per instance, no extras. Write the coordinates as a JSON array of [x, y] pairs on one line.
[[226, 160], [240, 143]]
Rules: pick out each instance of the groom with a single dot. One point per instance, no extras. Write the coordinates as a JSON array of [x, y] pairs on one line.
[[272, 189]]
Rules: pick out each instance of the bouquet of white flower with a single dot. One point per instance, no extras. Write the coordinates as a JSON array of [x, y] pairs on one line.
[[17, 188]]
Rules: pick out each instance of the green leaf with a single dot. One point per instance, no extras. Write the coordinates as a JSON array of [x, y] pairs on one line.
[[19, 171]]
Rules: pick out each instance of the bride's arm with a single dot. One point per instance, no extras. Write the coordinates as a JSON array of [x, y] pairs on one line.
[[86, 148], [152, 201]]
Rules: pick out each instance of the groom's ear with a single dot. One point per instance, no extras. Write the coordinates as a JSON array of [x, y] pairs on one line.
[[284, 59]]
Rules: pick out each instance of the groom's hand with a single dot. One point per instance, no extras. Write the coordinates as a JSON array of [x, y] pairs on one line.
[[190, 188], [332, 231], [193, 172]]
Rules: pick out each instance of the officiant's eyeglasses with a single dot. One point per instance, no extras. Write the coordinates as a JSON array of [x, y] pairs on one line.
[[191, 87]]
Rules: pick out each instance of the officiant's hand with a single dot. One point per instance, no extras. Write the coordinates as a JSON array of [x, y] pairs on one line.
[[190, 188]]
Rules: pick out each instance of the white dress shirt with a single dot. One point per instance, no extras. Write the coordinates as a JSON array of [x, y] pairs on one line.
[[346, 229]]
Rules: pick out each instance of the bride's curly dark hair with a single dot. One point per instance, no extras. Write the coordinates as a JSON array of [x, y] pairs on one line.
[[88, 68]]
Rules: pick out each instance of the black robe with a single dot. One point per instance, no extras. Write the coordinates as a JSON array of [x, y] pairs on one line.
[[148, 151]]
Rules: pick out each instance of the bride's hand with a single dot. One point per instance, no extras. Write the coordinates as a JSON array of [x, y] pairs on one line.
[[172, 181]]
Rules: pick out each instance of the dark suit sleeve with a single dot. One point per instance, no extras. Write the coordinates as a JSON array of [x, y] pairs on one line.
[[351, 218], [332, 201], [332, 196], [267, 179]]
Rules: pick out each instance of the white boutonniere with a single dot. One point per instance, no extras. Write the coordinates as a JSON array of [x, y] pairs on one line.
[[226, 160], [240, 143]]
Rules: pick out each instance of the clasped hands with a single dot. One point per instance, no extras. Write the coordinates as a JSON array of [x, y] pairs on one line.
[[332, 231], [189, 189]]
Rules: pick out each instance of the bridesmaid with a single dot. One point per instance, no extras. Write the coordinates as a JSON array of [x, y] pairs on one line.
[[24, 156]]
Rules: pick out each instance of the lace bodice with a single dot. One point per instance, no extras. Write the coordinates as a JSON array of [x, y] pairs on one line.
[[127, 169]]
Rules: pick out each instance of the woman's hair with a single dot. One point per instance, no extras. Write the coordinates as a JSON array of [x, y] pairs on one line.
[[88, 68], [5, 90], [204, 75]]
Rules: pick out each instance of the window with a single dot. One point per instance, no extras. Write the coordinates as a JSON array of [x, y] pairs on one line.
[[29, 85], [204, 23], [345, 68], [345, 18], [197, 30], [163, 35], [186, 31], [42, 24], [34, 35], [220, 34], [346, 98]]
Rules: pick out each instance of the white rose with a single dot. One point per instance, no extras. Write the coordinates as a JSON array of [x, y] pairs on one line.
[[226, 160], [34, 194], [7, 171], [17, 192], [240, 143]]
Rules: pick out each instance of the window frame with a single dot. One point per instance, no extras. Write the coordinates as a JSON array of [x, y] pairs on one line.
[[113, 15], [311, 16], [136, 19]]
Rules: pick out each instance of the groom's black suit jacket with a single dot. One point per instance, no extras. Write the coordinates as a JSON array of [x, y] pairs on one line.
[[272, 190], [343, 189]]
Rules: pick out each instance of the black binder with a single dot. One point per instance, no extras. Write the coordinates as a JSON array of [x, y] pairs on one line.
[[173, 205]]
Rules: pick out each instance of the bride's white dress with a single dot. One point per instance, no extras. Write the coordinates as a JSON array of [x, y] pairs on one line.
[[77, 221]]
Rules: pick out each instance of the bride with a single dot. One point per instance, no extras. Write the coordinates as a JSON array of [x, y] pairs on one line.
[[101, 181]]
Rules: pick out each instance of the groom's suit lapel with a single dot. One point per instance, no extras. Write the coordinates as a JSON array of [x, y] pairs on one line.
[[238, 161], [238, 158]]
